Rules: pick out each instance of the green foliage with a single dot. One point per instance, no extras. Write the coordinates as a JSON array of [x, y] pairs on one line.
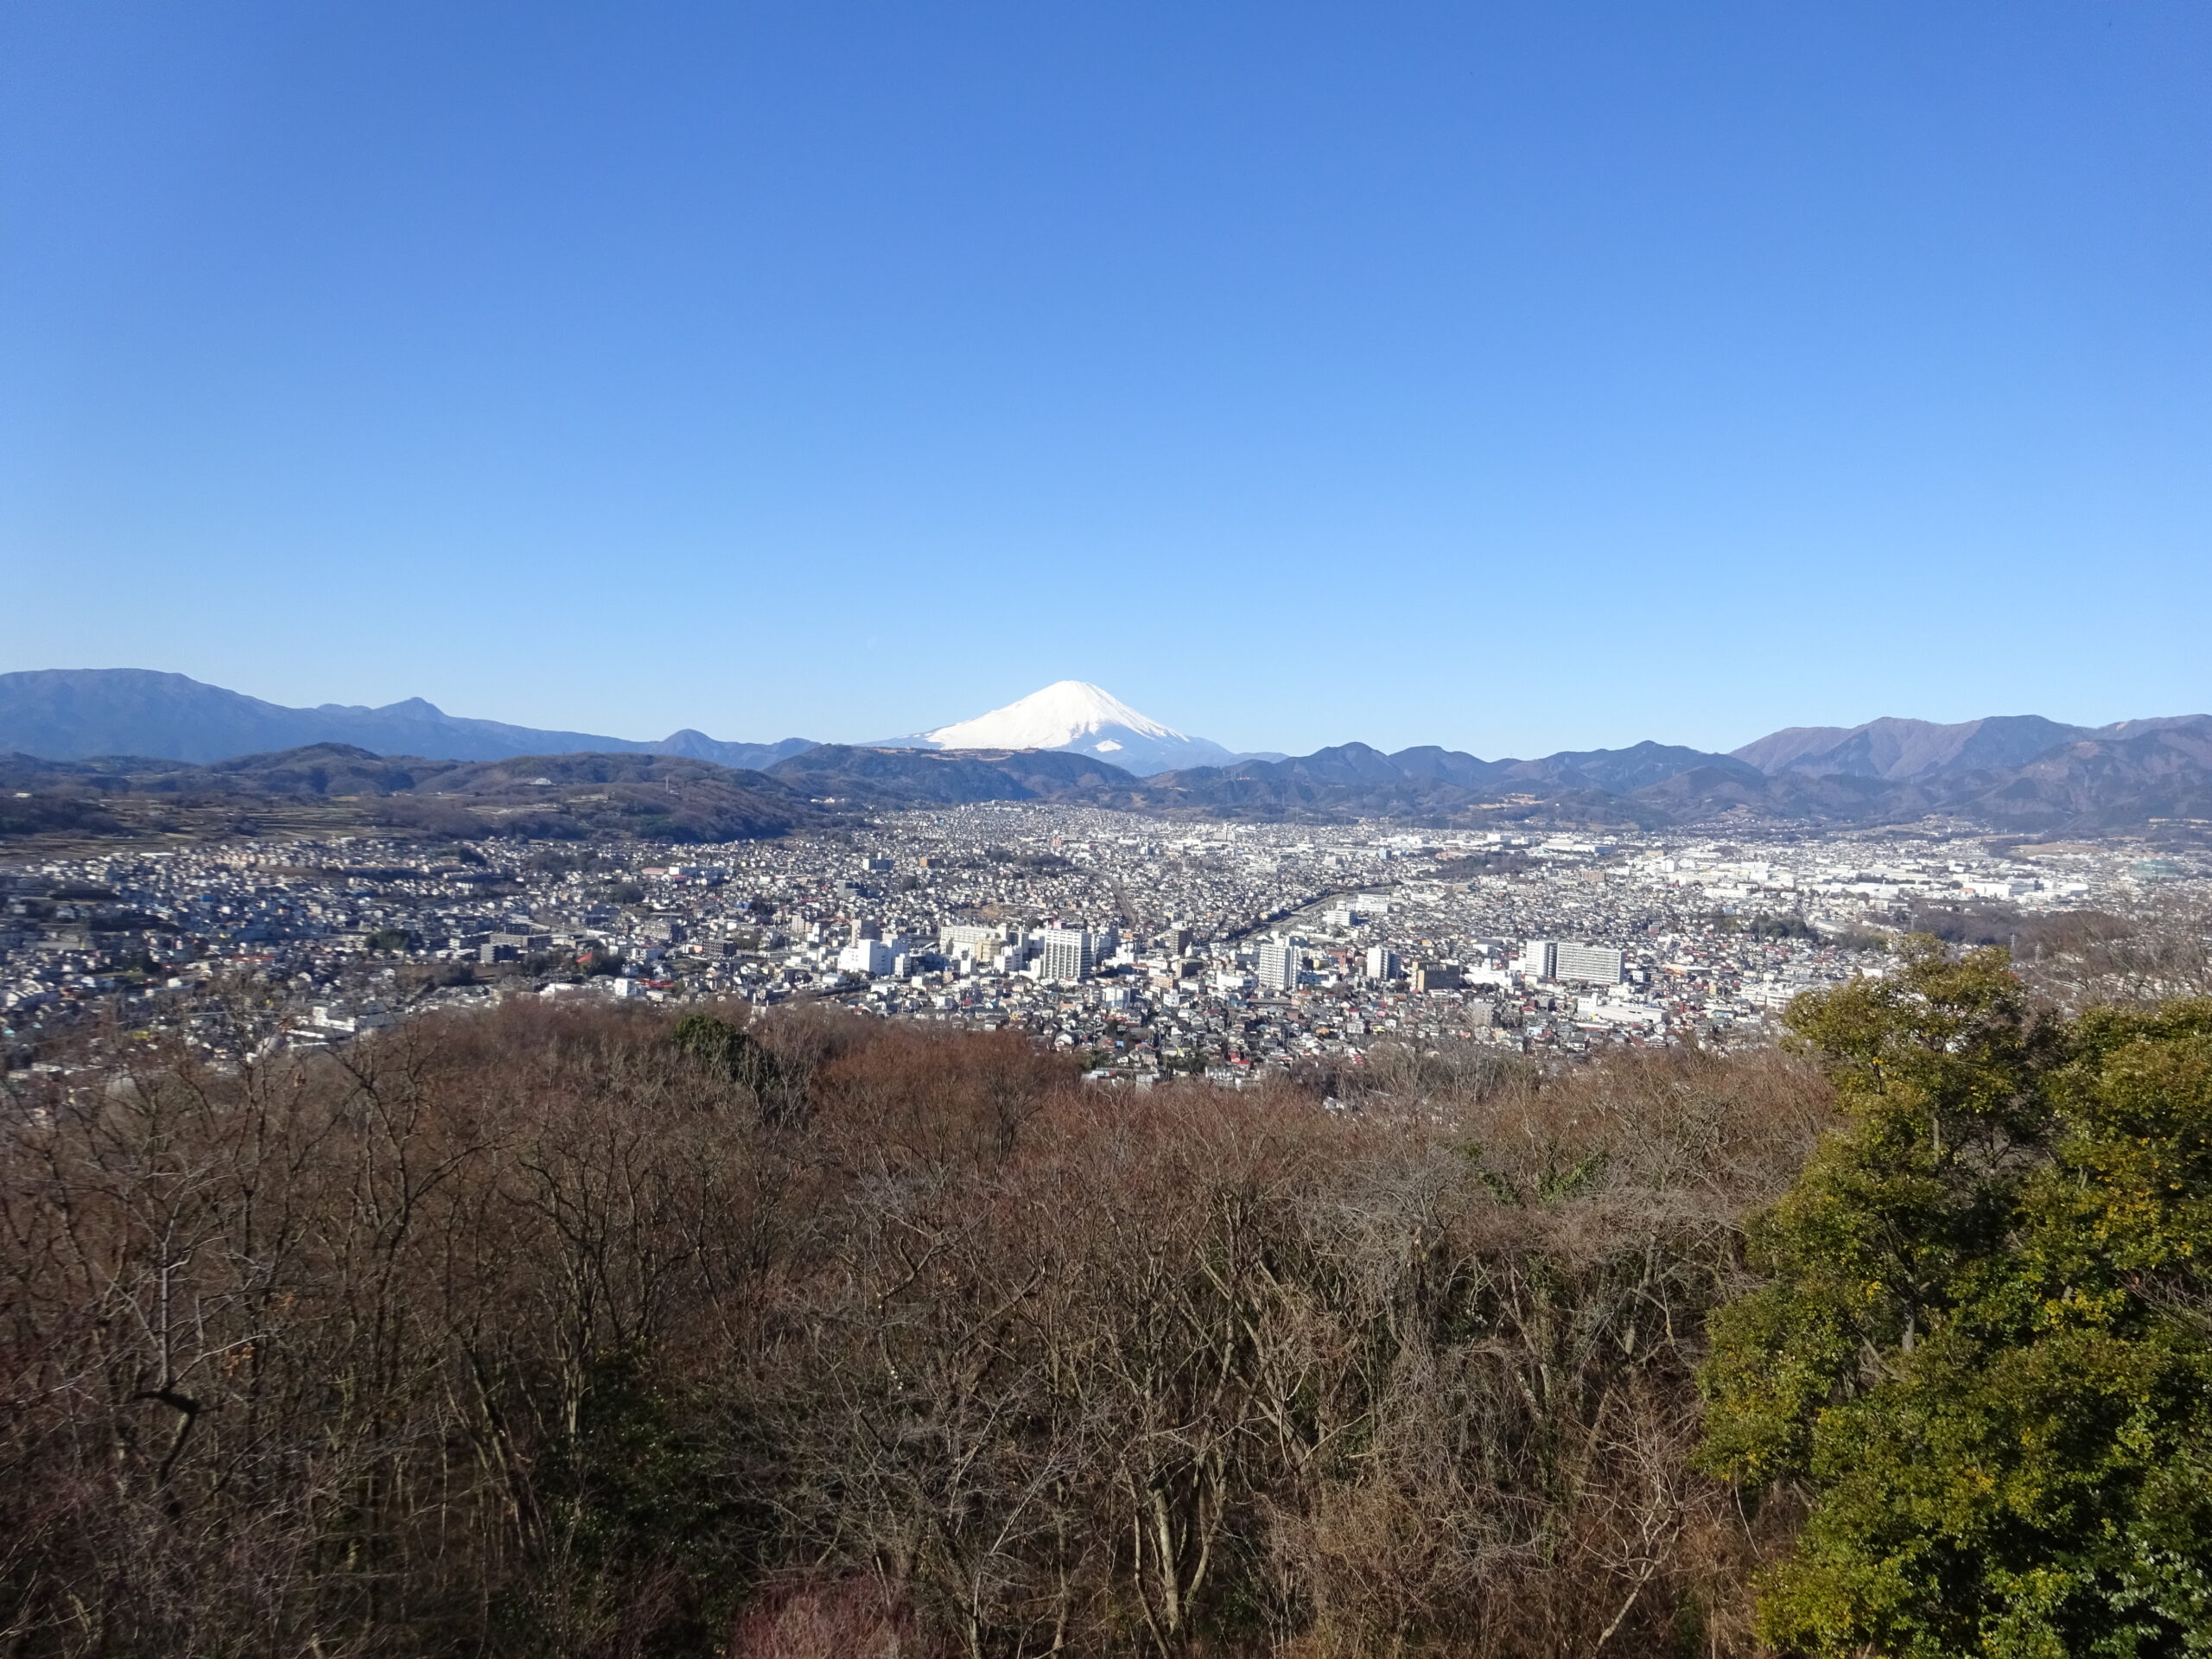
[[636, 1488], [731, 1052], [389, 940], [597, 958], [1983, 1342], [1765, 926]]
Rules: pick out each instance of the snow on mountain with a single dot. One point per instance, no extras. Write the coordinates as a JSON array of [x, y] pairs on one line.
[[1075, 715], [1056, 718]]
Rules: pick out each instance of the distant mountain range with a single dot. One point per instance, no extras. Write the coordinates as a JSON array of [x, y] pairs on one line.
[[1073, 742], [2153, 772], [1901, 750], [76, 713]]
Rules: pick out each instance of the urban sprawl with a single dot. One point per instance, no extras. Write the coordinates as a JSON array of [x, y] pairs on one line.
[[1145, 947]]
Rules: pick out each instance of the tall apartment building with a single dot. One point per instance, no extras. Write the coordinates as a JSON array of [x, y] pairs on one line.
[[1071, 952], [1381, 963], [1281, 961], [1591, 965]]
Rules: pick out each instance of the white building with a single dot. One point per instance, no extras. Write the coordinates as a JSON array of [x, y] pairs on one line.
[[1071, 952], [1586, 965], [1589, 964], [1280, 961], [869, 957]]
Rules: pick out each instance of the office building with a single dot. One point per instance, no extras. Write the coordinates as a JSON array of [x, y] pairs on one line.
[[1381, 963]]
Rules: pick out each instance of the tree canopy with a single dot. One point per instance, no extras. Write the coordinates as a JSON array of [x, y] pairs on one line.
[[1982, 1343]]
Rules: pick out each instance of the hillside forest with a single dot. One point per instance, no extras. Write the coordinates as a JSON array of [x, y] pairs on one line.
[[633, 1333]]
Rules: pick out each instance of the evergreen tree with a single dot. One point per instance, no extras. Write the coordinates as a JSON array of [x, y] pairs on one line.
[[1984, 1347]]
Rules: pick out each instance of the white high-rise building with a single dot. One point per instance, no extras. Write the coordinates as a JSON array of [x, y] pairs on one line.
[[1539, 959], [869, 957], [1071, 952], [1381, 963], [1281, 961], [1590, 964]]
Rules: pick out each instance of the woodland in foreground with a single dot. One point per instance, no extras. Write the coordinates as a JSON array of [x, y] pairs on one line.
[[607, 1333]]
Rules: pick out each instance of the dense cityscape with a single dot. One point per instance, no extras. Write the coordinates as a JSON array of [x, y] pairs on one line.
[[1143, 946]]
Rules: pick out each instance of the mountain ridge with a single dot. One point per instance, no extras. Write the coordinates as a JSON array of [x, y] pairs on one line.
[[2160, 773], [2008, 772], [65, 714], [1898, 749]]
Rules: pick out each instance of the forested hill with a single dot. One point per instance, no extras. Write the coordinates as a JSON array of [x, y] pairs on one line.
[[2091, 785], [2158, 777], [605, 1331], [327, 787]]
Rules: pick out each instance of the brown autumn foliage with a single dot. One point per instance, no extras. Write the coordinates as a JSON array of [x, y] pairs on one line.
[[544, 1332], [2087, 959]]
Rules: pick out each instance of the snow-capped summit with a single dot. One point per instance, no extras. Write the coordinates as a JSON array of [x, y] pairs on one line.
[[1057, 717], [1076, 716]]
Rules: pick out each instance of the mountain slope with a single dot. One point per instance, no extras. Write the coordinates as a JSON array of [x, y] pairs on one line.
[[1898, 749], [1622, 772], [1353, 779], [2109, 783], [883, 777], [75, 714], [752, 757], [325, 787]]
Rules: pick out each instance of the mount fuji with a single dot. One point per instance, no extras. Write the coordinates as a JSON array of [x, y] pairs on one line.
[[1083, 719]]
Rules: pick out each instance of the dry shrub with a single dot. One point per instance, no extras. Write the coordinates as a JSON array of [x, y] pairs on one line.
[[853, 1617], [2088, 959], [530, 1333]]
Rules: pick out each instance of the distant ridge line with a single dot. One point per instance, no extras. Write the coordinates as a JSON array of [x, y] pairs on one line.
[[64, 714], [2014, 771]]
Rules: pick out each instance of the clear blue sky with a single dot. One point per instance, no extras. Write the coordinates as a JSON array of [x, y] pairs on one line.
[[1510, 378]]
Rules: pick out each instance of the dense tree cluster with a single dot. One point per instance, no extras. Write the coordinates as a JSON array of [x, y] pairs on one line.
[[1987, 1344], [609, 1332], [562, 1331]]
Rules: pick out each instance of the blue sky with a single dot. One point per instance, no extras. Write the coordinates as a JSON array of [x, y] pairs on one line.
[[1510, 378]]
